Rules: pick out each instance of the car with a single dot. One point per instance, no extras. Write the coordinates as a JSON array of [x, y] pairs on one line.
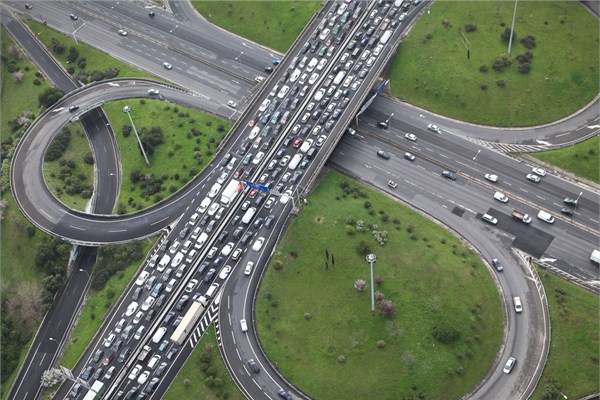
[[191, 285], [109, 340], [270, 202], [74, 17], [226, 250], [434, 128], [538, 171], [392, 184], [411, 137], [87, 373], [139, 332], [164, 345], [497, 264], [283, 162], [107, 360], [321, 140], [182, 302], [166, 65], [383, 154], [28, 6], [449, 175], [138, 317], [143, 377], [382, 124], [75, 390], [491, 177], [268, 70], [237, 254], [259, 79], [232, 104], [73, 108], [258, 244], [509, 365], [284, 395], [124, 354], [122, 32], [149, 302], [209, 275], [570, 202], [409, 156], [149, 389], [244, 325], [225, 272], [109, 374], [249, 267], [98, 355], [489, 218], [533, 178], [99, 372], [567, 211], [253, 366], [285, 197], [151, 14], [134, 372], [172, 353], [297, 143], [153, 91], [518, 305]]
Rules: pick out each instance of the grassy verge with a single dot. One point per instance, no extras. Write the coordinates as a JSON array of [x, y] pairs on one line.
[[192, 384], [96, 307], [60, 177], [324, 337], [190, 138], [572, 366], [93, 59], [275, 24], [580, 159], [431, 68]]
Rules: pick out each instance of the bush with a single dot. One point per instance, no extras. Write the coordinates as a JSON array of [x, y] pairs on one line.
[[363, 248], [524, 68], [501, 62], [445, 333], [483, 86], [470, 28], [528, 42], [505, 36], [50, 96], [501, 83], [483, 68], [381, 344]]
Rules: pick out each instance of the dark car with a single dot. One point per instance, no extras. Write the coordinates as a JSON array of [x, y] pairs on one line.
[[161, 369], [449, 175], [182, 303], [253, 366], [124, 354], [209, 275], [98, 355], [116, 347], [268, 70], [87, 374], [74, 17], [284, 395], [184, 232], [567, 211], [497, 264], [269, 221], [151, 14], [172, 353], [570, 202], [73, 108], [383, 154], [382, 124], [75, 390]]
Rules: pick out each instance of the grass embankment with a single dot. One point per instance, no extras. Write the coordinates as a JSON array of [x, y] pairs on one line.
[[275, 24], [95, 60], [189, 137], [580, 159], [82, 172], [319, 329], [192, 384], [572, 366], [431, 69]]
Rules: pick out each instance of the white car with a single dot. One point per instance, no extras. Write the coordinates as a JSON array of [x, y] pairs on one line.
[[286, 159], [225, 272], [284, 90], [489, 218], [258, 244], [509, 365], [377, 50], [538, 171], [148, 303], [259, 79], [167, 65], [258, 158], [321, 64], [321, 140], [491, 178], [236, 254], [213, 209], [122, 32], [153, 91], [138, 317], [225, 251], [434, 128], [533, 178], [232, 104], [313, 78], [131, 308], [222, 178], [518, 305], [295, 75], [244, 325], [134, 372], [142, 278], [214, 190], [270, 202], [143, 377], [411, 137], [324, 33], [109, 340], [264, 105], [191, 285], [285, 197], [249, 267]]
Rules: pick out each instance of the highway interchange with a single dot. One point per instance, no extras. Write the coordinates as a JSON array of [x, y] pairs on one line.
[[356, 155]]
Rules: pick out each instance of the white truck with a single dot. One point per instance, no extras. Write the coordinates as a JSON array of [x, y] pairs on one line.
[[521, 216], [595, 257], [231, 191], [96, 391]]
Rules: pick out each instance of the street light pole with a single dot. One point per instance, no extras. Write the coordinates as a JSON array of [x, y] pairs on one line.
[[127, 109], [54, 340], [87, 273], [577, 203], [387, 121], [475, 158], [371, 258]]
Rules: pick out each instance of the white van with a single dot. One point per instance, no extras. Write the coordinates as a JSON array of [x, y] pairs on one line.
[[501, 197], [201, 240], [159, 334], [193, 219], [211, 291], [176, 260], [204, 205], [153, 361], [171, 285], [546, 217], [214, 190], [163, 263], [312, 64], [248, 215], [254, 132]]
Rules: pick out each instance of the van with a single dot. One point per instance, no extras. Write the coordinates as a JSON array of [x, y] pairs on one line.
[[312, 152], [248, 215], [501, 197], [201, 240], [295, 161], [231, 163], [212, 290], [181, 270], [158, 335], [546, 217], [164, 261], [153, 361], [193, 219], [137, 293]]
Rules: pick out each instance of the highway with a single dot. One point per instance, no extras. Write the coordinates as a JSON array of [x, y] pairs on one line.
[[462, 166]]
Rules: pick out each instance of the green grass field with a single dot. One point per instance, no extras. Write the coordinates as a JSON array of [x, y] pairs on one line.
[[308, 316], [433, 71], [275, 24], [574, 347], [580, 159], [190, 140], [78, 147], [193, 382]]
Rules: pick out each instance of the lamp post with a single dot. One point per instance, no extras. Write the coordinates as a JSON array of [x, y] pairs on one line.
[[371, 258], [387, 121], [87, 273], [475, 158], [54, 340], [577, 202], [127, 109], [561, 394]]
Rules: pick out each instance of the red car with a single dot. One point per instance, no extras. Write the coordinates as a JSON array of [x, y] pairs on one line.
[[238, 173], [253, 193], [297, 142]]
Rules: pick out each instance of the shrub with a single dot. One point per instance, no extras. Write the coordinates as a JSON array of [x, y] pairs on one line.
[[524, 68], [445, 333], [363, 248], [381, 344], [483, 86], [501, 83], [341, 359], [505, 36], [278, 265], [470, 28], [483, 68], [37, 82], [528, 42], [387, 307], [501, 62]]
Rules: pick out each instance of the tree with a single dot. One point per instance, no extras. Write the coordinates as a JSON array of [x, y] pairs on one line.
[[51, 377], [505, 36], [360, 285], [445, 333], [18, 76], [25, 304], [50, 96], [387, 307]]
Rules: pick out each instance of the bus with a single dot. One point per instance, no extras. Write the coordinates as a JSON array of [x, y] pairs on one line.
[[187, 323]]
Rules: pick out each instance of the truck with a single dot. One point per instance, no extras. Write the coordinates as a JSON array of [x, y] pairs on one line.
[[521, 216], [144, 353], [231, 191], [188, 323], [96, 391], [595, 257]]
